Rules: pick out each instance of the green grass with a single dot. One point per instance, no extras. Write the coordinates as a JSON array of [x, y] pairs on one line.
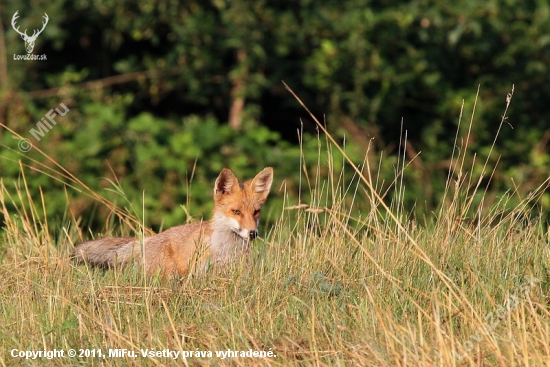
[[326, 285]]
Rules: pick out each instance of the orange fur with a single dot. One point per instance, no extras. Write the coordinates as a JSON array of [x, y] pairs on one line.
[[219, 241]]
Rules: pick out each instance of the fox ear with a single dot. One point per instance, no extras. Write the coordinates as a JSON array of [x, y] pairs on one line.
[[261, 183], [225, 183]]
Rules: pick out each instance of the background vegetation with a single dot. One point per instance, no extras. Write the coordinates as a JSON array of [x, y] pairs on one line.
[[162, 91]]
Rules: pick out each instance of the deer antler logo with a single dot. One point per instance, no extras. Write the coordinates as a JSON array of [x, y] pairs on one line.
[[29, 40]]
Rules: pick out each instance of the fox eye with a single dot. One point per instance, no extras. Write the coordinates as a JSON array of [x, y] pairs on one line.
[[256, 212], [237, 212]]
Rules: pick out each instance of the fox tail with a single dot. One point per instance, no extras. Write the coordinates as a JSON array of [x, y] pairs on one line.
[[106, 252]]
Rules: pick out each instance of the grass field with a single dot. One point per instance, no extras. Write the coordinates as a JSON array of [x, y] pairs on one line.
[[325, 286]]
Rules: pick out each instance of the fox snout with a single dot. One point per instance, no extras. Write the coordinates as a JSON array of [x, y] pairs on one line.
[[247, 234]]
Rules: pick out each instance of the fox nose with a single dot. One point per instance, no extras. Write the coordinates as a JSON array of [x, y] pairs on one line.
[[253, 234]]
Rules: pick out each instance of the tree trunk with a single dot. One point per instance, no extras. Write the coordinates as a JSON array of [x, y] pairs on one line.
[[237, 93]]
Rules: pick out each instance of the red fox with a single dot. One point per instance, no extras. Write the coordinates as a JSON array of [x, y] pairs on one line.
[[215, 242]]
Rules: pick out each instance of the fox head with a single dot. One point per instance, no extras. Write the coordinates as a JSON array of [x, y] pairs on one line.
[[237, 206]]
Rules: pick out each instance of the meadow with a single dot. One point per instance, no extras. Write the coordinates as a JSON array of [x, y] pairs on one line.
[[325, 285]]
